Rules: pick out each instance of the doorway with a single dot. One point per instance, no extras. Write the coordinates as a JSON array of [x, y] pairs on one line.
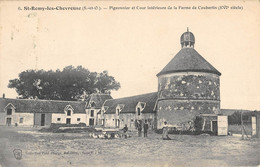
[[215, 127], [42, 119], [8, 121], [91, 121], [68, 121]]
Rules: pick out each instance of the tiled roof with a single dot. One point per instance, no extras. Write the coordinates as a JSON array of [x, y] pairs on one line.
[[98, 99], [38, 106], [188, 60], [232, 111], [131, 102]]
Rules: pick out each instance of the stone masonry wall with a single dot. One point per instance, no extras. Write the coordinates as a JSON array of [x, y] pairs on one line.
[[189, 86], [180, 112]]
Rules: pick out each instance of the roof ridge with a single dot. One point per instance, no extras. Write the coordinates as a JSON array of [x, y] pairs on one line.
[[131, 96], [99, 94], [237, 109], [42, 100]]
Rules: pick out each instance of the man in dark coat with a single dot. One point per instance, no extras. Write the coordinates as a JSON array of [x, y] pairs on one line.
[[145, 128], [139, 128], [125, 129]]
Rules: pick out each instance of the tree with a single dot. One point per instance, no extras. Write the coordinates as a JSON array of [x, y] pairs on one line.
[[69, 84]]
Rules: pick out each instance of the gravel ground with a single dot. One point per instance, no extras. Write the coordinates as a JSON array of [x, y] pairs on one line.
[[78, 149]]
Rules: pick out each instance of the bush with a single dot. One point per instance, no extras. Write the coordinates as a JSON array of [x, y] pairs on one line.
[[57, 126], [235, 118], [184, 132]]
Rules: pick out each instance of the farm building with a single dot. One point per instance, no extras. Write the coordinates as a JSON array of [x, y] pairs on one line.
[[93, 107], [117, 113], [188, 87], [29, 112]]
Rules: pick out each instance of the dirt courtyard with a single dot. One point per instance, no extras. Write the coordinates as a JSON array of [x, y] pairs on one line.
[[78, 149]]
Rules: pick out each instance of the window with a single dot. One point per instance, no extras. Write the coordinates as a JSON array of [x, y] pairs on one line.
[[21, 120], [138, 111], [9, 111], [78, 119], [92, 113], [117, 112], [58, 119], [69, 113], [93, 104], [142, 105]]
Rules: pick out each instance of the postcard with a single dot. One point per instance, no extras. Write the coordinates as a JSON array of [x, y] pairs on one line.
[[129, 83]]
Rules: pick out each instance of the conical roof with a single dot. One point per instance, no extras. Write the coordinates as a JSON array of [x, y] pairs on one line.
[[188, 60]]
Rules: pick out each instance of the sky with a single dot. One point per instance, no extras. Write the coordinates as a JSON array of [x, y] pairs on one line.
[[134, 45]]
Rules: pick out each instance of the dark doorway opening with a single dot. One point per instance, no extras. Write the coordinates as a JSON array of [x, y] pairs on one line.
[[8, 121], [91, 121], [42, 119], [68, 121], [215, 127]]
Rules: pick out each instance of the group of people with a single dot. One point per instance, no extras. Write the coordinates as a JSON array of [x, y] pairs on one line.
[[145, 127], [139, 128]]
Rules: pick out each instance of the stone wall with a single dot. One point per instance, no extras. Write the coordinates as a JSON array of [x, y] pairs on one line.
[[15, 119], [189, 85], [88, 115], [128, 119], [74, 118], [2, 118], [185, 95], [110, 120], [180, 112]]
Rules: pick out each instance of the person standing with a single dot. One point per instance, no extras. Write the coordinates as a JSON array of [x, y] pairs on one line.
[[139, 128], [165, 132], [125, 129], [145, 128]]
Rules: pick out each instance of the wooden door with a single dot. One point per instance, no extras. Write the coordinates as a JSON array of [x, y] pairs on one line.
[[91, 121], [222, 125], [8, 121], [215, 127], [68, 121], [42, 119], [253, 120]]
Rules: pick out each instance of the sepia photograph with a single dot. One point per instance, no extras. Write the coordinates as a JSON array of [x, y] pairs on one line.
[[129, 83]]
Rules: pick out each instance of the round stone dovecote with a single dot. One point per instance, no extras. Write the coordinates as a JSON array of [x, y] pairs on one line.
[[187, 86]]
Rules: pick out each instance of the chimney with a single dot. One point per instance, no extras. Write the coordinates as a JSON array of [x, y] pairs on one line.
[[3, 95]]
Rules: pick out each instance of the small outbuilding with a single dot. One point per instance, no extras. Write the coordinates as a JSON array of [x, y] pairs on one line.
[[212, 123]]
